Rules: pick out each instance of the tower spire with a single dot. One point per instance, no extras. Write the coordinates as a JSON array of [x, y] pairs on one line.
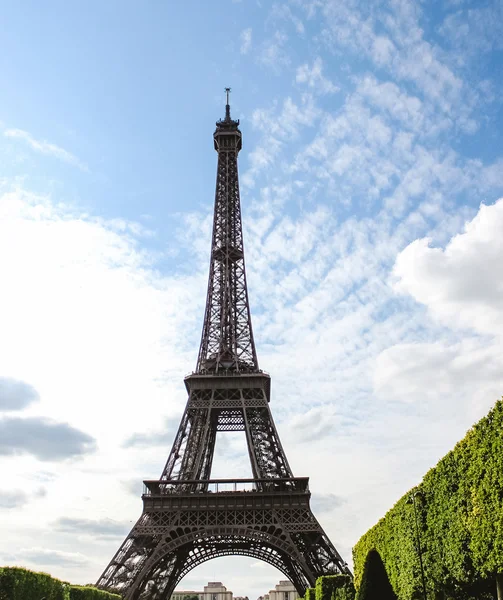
[[227, 105], [227, 339]]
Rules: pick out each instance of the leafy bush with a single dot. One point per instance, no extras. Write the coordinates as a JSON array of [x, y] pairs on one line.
[[459, 510]]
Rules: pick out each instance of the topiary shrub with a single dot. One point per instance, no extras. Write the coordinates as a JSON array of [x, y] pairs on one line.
[[375, 584]]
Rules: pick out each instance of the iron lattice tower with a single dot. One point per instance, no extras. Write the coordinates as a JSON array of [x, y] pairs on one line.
[[187, 517]]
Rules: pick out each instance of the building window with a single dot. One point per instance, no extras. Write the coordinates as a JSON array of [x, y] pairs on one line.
[[285, 595]]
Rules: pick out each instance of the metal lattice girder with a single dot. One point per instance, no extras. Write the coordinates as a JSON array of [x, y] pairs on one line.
[[219, 408], [187, 517]]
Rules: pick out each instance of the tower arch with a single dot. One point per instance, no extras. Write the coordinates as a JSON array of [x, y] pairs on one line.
[[176, 557]]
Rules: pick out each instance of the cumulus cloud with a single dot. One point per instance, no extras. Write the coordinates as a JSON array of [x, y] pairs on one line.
[[460, 373], [42, 438], [422, 373], [45, 147], [459, 283], [15, 394]]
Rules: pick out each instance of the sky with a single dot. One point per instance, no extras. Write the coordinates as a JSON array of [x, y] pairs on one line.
[[371, 186]]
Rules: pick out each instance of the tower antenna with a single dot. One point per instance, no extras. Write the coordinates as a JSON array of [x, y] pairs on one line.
[[227, 105]]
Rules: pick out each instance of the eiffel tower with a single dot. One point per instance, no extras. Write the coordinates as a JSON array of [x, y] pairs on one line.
[[187, 517]]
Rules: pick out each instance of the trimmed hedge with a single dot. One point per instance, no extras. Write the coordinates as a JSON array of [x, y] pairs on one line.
[[459, 510], [21, 584], [78, 592], [310, 594], [335, 587]]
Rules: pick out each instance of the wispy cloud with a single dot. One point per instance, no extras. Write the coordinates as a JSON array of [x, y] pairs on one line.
[[273, 54], [246, 40], [46, 148], [314, 78], [284, 12], [50, 558]]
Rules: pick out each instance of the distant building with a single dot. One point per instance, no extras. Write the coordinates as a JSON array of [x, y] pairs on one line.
[[213, 591], [285, 590]]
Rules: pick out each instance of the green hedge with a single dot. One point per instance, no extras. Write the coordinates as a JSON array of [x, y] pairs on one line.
[[21, 584], [78, 592], [335, 587], [459, 510], [310, 594]]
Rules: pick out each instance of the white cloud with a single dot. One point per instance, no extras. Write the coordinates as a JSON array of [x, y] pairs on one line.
[[273, 54], [399, 105], [284, 12], [246, 40], [473, 31], [38, 556], [460, 284], [45, 147], [277, 128], [314, 79], [402, 50]]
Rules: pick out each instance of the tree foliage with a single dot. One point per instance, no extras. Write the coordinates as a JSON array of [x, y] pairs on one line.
[[459, 509]]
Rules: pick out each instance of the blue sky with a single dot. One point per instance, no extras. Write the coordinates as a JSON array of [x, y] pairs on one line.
[[371, 174]]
